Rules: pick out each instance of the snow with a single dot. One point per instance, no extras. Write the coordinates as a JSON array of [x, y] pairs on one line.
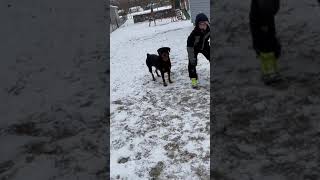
[[151, 123]]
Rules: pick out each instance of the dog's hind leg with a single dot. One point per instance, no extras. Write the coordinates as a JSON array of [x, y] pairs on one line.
[[157, 72], [150, 70]]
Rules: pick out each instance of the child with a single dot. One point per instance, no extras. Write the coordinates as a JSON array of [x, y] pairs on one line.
[[198, 42]]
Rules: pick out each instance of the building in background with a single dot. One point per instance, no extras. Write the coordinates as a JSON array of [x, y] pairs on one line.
[[199, 6], [114, 18]]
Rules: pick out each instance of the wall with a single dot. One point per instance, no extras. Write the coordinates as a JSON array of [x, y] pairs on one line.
[[197, 6]]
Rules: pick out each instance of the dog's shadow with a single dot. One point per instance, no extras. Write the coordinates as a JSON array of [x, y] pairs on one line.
[[149, 82]]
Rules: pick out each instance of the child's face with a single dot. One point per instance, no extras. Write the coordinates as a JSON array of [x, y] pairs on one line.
[[203, 25]]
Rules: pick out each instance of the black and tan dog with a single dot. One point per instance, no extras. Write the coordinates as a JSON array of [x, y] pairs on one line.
[[161, 62]]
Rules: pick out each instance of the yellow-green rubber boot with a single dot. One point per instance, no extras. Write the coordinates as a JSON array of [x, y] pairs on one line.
[[276, 75], [269, 67], [269, 62], [194, 82], [266, 66]]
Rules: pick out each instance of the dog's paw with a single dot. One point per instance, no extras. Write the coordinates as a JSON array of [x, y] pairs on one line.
[[170, 81], [165, 84]]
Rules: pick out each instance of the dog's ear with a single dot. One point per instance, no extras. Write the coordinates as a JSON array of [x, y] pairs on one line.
[[168, 49], [160, 50]]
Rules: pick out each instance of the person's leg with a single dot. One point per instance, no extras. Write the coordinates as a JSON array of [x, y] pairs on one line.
[[262, 26], [206, 53], [193, 71], [192, 67], [264, 40]]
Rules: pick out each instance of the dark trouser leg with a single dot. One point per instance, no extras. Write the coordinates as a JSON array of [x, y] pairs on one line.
[[206, 53], [192, 67], [262, 26]]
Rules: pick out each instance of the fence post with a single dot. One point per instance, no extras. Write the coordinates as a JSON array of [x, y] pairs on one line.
[[116, 22]]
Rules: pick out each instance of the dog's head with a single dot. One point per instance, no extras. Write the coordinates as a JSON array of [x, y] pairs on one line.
[[164, 53]]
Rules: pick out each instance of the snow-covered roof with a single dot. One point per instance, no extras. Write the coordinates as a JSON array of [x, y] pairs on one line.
[[135, 7], [114, 6]]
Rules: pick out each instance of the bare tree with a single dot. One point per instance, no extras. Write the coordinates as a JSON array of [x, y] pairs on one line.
[[124, 4], [144, 3], [115, 2]]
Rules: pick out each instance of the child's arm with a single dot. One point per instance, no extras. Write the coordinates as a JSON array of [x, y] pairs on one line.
[[191, 39], [190, 48]]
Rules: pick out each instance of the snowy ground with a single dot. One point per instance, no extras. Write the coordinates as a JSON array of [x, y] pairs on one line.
[[156, 131], [261, 132]]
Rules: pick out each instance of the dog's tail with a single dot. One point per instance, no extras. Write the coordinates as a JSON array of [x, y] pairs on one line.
[[148, 59]]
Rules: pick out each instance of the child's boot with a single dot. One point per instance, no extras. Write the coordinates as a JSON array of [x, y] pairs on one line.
[[194, 83], [265, 67], [269, 66], [275, 76]]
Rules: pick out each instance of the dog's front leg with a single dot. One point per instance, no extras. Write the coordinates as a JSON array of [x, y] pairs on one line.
[[164, 81], [169, 77], [153, 77]]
